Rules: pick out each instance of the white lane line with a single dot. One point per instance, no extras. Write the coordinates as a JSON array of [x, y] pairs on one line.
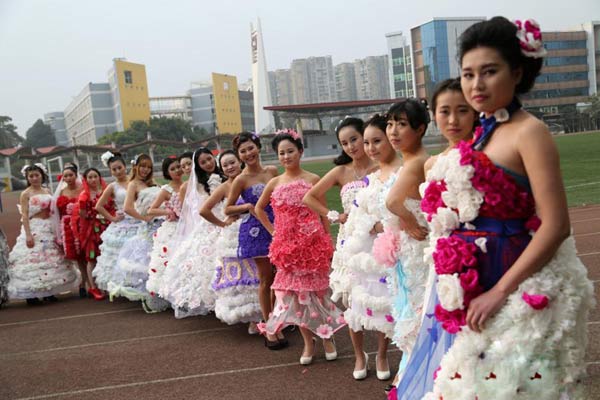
[[175, 379], [582, 184], [34, 321], [587, 234], [82, 346], [594, 323], [593, 363], [588, 254], [585, 220], [584, 208]]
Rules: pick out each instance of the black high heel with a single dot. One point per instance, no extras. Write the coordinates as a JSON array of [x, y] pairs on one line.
[[33, 302], [82, 293], [273, 345]]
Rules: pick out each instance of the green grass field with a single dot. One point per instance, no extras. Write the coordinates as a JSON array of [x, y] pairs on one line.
[[579, 159]]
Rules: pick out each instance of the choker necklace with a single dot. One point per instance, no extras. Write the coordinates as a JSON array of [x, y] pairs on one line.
[[483, 133]]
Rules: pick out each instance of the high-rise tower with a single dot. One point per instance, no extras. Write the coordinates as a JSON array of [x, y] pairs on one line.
[[263, 120]]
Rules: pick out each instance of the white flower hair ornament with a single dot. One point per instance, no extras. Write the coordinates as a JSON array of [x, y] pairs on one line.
[[27, 166], [135, 160], [530, 38], [105, 157]]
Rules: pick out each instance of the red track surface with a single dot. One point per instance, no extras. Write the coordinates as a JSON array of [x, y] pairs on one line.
[[81, 349]]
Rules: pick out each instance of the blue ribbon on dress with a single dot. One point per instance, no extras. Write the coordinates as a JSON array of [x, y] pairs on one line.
[[402, 305], [506, 227], [490, 124]]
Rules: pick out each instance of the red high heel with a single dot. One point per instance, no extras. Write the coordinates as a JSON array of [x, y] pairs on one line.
[[96, 294]]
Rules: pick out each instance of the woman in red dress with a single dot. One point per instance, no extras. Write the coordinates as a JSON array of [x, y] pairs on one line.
[[64, 201], [89, 225]]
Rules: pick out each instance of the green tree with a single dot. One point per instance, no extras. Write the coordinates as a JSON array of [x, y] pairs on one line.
[[40, 135], [8, 133], [594, 109], [163, 128]]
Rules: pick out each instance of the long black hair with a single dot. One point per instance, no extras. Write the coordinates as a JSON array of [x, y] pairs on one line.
[[166, 164], [500, 34], [355, 123], [202, 175]]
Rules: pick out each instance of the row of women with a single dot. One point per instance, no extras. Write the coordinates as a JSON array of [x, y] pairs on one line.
[[464, 260]]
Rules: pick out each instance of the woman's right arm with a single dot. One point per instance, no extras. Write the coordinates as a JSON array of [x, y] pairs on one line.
[[155, 209], [206, 210], [318, 191], [106, 195], [24, 203], [129, 207], [234, 193]]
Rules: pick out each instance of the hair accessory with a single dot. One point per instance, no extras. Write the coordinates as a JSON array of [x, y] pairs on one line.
[[254, 135], [530, 38], [337, 127], [290, 132], [26, 167], [135, 160], [105, 157]]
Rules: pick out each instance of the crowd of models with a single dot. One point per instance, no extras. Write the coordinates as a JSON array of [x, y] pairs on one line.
[[464, 260]]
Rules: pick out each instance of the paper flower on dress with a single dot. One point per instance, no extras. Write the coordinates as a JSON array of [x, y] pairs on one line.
[[385, 248], [450, 292], [536, 301], [324, 331]]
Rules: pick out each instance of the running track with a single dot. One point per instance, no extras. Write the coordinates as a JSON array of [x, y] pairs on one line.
[[81, 349]]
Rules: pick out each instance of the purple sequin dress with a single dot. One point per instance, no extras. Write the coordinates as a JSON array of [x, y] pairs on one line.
[[254, 239]]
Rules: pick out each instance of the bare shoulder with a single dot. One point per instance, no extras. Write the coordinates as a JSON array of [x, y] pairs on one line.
[[528, 127], [429, 163], [271, 169], [25, 194], [311, 177]]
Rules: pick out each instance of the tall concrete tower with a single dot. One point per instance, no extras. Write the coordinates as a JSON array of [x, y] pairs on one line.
[[263, 120]]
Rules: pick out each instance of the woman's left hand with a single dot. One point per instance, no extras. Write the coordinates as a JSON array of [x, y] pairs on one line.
[[483, 307]]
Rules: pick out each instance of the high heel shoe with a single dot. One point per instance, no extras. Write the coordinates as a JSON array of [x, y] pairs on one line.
[[382, 375], [273, 345], [362, 374], [96, 294], [307, 360], [333, 355], [82, 293]]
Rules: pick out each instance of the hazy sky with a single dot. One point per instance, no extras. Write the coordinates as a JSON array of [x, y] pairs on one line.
[[50, 49]]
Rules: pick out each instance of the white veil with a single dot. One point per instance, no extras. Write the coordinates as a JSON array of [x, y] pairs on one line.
[[190, 209]]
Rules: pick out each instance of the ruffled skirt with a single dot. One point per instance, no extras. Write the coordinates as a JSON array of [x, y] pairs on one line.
[[113, 239], [189, 275], [131, 269], [370, 297], [3, 269], [312, 310], [42, 270], [159, 258]]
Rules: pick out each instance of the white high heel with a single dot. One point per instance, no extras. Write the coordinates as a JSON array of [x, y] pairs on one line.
[[382, 375], [308, 360], [362, 374], [333, 355]]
